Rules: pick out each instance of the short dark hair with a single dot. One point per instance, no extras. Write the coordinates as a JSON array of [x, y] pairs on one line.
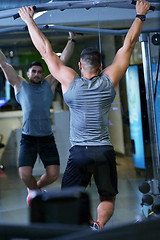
[[35, 64], [91, 56]]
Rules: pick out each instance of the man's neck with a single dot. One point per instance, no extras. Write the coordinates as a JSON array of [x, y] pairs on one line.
[[35, 83], [89, 75]]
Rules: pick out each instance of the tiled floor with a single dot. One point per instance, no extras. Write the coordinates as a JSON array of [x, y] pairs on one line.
[[13, 207]]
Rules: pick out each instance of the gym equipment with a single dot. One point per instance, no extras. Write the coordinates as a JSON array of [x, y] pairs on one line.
[[77, 4], [66, 206]]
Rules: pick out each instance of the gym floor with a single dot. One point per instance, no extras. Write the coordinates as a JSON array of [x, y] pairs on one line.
[[14, 210]]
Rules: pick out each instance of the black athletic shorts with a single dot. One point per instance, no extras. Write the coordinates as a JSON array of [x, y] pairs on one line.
[[85, 161], [31, 146]]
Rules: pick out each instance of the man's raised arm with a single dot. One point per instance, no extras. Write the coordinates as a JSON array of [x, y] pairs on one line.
[[65, 56], [10, 73], [69, 48], [121, 61], [59, 71]]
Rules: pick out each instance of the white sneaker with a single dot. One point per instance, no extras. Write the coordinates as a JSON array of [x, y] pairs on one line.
[[32, 194], [95, 226]]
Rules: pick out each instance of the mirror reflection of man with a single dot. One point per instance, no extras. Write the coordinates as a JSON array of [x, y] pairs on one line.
[[35, 97]]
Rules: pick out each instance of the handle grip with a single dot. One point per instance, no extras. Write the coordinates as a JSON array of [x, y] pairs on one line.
[[15, 16], [151, 7]]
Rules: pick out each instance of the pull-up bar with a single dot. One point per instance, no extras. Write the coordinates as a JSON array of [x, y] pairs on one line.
[[77, 4], [76, 29]]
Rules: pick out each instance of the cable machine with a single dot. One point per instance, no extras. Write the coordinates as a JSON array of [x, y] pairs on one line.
[[151, 187]]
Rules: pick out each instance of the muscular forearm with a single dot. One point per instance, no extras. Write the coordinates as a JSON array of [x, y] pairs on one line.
[[142, 7], [68, 51], [38, 38], [9, 72], [3, 60], [133, 34]]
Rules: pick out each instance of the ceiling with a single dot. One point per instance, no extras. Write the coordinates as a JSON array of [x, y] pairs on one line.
[[14, 34]]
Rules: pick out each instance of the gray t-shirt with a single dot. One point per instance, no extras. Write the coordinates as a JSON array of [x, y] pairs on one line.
[[89, 102], [35, 101]]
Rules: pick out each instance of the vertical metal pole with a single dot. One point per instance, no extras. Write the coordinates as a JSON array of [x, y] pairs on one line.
[[147, 67]]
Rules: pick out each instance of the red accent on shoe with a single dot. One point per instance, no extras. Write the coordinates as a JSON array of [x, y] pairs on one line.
[[32, 194], [28, 200], [95, 226]]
